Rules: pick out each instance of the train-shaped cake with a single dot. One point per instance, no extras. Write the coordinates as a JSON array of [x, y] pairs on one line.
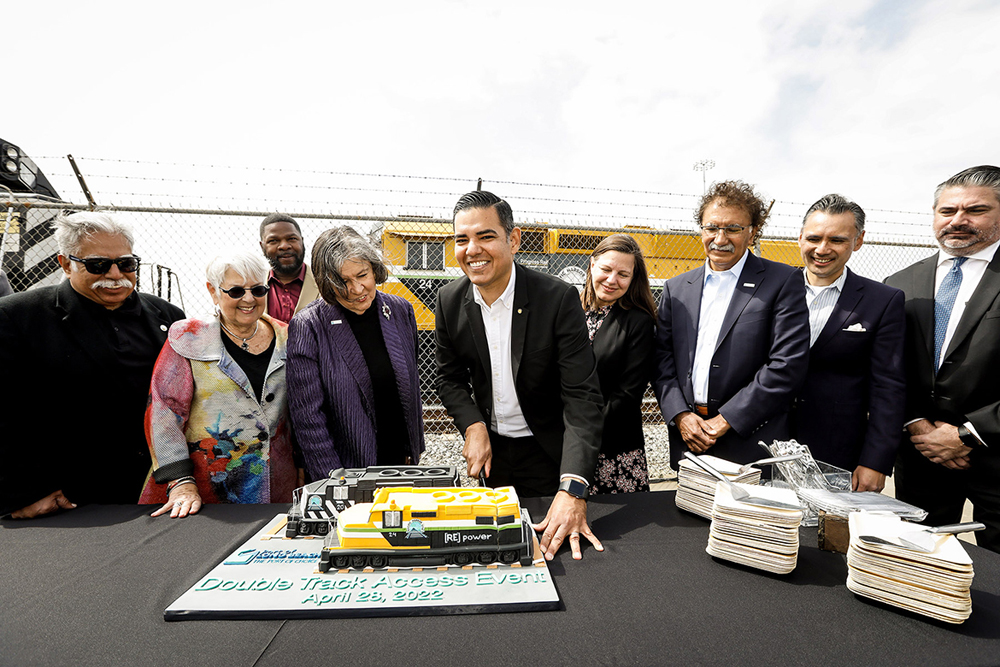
[[315, 506], [426, 527]]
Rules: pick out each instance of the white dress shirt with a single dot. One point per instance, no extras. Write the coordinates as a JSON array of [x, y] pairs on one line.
[[821, 300], [716, 293], [506, 418], [973, 271]]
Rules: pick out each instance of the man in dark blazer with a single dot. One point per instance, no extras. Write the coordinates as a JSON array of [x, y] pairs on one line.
[[952, 358], [516, 371], [81, 354], [732, 337], [850, 409]]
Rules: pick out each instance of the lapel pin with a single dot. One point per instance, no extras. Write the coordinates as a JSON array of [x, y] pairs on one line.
[[163, 327], [336, 321], [385, 311], [518, 311], [749, 284]]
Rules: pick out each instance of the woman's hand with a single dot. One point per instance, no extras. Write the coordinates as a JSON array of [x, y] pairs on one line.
[[184, 500]]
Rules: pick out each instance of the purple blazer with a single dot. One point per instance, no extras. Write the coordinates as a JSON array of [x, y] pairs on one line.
[[330, 394]]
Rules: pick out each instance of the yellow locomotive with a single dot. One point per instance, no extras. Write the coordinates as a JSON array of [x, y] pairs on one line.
[[414, 527]]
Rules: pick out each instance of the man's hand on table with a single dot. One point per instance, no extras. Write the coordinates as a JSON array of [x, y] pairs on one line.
[[566, 518], [50, 503]]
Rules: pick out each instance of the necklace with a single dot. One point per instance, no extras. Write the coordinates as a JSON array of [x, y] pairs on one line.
[[245, 345]]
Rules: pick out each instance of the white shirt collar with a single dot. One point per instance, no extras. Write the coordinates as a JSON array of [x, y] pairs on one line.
[[506, 298], [986, 254], [837, 284], [735, 270]]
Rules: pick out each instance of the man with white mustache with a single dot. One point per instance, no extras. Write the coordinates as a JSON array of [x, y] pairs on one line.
[[950, 451], [83, 352], [850, 409], [732, 337]]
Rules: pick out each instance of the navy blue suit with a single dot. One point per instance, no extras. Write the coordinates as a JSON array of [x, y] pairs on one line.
[[850, 410], [759, 362]]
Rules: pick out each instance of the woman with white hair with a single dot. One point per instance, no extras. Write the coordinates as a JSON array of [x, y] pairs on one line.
[[217, 422]]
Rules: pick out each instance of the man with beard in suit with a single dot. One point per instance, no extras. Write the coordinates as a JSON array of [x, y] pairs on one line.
[[951, 450]]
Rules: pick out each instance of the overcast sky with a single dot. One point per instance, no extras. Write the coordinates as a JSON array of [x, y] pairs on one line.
[[877, 100]]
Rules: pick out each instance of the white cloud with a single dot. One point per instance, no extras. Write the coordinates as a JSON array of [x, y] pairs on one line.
[[880, 100]]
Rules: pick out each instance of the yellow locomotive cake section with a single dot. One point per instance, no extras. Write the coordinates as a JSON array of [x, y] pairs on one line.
[[430, 526]]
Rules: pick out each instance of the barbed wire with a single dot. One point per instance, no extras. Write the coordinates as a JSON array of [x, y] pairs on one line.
[[273, 170], [264, 169]]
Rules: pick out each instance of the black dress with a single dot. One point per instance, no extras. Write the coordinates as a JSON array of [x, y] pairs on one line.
[[623, 346]]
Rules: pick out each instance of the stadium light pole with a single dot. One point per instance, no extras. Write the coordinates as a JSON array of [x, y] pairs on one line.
[[703, 166]]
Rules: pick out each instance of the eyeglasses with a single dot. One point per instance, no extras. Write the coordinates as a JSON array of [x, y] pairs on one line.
[[101, 265], [728, 230], [237, 292]]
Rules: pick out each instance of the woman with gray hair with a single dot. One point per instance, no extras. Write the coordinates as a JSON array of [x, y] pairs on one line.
[[217, 422], [353, 384]]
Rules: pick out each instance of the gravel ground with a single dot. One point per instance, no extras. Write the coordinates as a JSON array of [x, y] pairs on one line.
[[447, 450]]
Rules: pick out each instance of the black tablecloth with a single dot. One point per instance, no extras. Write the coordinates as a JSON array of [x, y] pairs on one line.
[[88, 587]]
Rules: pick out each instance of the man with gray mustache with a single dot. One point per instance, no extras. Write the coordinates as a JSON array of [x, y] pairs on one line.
[[82, 352], [732, 339], [950, 451]]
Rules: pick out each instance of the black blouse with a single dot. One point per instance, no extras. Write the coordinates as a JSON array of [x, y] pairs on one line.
[[392, 439], [254, 365]]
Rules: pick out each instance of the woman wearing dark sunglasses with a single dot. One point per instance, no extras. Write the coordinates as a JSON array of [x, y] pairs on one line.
[[217, 423], [353, 384]]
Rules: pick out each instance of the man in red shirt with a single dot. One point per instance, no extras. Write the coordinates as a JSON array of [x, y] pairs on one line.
[[291, 284]]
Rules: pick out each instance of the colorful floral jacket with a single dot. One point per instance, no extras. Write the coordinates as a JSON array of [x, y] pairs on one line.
[[203, 420]]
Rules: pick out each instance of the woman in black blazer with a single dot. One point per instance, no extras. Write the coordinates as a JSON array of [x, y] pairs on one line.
[[621, 315]]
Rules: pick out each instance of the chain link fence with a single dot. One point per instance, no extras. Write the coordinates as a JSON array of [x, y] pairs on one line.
[[177, 243]]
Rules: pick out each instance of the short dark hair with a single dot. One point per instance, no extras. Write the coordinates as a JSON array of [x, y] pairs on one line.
[[835, 204], [983, 176], [638, 294], [278, 217], [484, 199], [334, 247], [736, 194]]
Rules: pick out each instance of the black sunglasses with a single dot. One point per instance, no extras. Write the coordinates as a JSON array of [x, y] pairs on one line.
[[101, 265], [237, 292]]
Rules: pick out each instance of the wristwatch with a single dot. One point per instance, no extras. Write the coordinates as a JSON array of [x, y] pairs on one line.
[[574, 487], [967, 438]]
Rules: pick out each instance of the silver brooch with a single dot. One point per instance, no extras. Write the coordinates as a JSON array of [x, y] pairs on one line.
[[385, 311]]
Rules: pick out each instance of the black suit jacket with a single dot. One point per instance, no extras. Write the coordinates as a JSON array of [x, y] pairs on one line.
[[967, 387], [623, 347], [850, 410], [759, 362], [89, 441], [553, 366]]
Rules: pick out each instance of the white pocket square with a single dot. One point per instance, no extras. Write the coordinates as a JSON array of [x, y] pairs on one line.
[[856, 327]]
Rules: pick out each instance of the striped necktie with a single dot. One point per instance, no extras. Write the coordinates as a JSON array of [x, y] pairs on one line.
[[944, 301]]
